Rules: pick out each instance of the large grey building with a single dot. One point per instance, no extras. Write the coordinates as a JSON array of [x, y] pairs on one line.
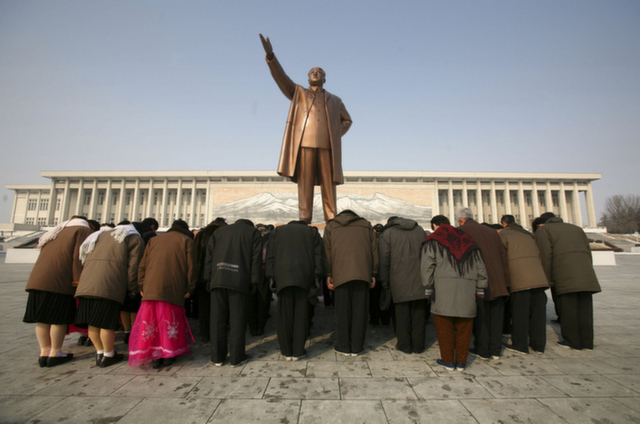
[[263, 196]]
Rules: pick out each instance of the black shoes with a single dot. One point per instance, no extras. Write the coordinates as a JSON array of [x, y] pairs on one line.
[[110, 360], [52, 361], [42, 361], [99, 357], [156, 364]]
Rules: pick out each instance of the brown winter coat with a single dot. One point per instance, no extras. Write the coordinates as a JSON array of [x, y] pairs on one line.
[[494, 256], [167, 270], [566, 257], [111, 269], [351, 248], [525, 267], [58, 267]]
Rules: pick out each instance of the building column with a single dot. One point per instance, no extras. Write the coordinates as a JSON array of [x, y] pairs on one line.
[[53, 199], [494, 202], [179, 199], [507, 201], [563, 203], [479, 201], [591, 212], [207, 209], [64, 207], [577, 208], [136, 194], [465, 195], [163, 207], [548, 198], [524, 219], [193, 221], [435, 199], [123, 190], [534, 199], [92, 202], [452, 212], [152, 197], [37, 207], [106, 207], [80, 199]]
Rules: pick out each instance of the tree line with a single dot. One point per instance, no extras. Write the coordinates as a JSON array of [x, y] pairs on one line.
[[622, 214]]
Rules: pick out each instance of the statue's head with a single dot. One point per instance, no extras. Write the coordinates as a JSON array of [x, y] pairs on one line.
[[317, 76]]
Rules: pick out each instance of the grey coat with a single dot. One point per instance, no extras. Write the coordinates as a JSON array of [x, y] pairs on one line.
[[453, 295], [399, 249]]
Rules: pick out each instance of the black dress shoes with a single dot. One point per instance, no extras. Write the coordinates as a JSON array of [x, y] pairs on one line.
[[52, 361], [110, 360]]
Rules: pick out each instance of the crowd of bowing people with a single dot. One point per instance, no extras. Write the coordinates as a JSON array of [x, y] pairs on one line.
[[478, 282]]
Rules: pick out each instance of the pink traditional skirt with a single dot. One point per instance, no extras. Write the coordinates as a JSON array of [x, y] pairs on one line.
[[161, 330]]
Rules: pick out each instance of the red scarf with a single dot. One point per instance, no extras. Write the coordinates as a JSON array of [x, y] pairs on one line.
[[459, 244]]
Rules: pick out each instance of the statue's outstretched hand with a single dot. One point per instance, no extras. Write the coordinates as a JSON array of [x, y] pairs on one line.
[[266, 43]]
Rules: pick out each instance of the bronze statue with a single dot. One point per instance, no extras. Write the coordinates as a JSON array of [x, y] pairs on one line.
[[312, 144]]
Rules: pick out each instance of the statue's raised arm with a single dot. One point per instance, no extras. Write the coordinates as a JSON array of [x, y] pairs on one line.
[[311, 150], [266, 43]]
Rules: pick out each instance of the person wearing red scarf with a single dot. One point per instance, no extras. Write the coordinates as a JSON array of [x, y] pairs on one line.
[[453, 273]]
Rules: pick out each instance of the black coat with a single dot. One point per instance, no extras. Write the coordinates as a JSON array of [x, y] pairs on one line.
[[294, 255]]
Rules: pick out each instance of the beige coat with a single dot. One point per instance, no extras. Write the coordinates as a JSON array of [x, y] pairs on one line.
[[525, 266], [337, 117], [111, 268]]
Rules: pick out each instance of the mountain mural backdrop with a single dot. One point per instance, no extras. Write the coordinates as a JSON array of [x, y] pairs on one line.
[[283, 207]]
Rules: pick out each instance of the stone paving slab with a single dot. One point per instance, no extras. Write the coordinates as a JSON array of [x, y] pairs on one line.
[[382, 385]]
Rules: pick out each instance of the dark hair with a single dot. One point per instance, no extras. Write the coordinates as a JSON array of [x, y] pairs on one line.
[[547, 215], [179, 223], [151, 222], [378, 228], [125, 222], [537, 223], [508, 219], [95, 225], [439, 220]]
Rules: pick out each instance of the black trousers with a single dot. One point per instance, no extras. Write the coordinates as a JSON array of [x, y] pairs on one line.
[[576, 324], [293, 320], [529, 317], [228, 325], [204, 312], [376, 315], [487, 328], [411, 320], [258, 309], [351, 309]]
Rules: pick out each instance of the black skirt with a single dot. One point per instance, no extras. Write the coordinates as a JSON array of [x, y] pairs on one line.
[[99, 313], [131, 304], [50, 308]]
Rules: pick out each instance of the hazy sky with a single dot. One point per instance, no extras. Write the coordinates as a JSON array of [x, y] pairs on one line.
[[531, 86]]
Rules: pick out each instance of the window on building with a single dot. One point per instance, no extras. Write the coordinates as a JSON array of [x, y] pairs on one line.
[[100, 198], [128, 199], [204, 197], [141, 199], [98, 216], [55, 221], [112, 217], [87, 197], [58, 203], [30, 221], [42, 222], [155, 198], [44, 204], [32, 204], [114, 198]]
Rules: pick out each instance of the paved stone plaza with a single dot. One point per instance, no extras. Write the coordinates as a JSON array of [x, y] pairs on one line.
[[381, 386]]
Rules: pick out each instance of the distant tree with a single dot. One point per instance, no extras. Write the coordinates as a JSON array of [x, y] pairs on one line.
[[622, 214]]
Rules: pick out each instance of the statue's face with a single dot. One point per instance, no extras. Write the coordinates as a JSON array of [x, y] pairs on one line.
[[316, 76]]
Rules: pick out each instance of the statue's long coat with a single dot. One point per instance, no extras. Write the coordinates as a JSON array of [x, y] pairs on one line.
[[337, 117]]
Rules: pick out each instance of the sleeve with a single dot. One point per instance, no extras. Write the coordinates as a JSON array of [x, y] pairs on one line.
[[428, 265], [142, 267], [481, 269], [327, 251], [256, 259], [384, 252], [136, 250], [208, 259], [345, 119], [374, 249], [192, 266], [271, 254], [80, 236], [318, 254], [286, 85], [546, 252]]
